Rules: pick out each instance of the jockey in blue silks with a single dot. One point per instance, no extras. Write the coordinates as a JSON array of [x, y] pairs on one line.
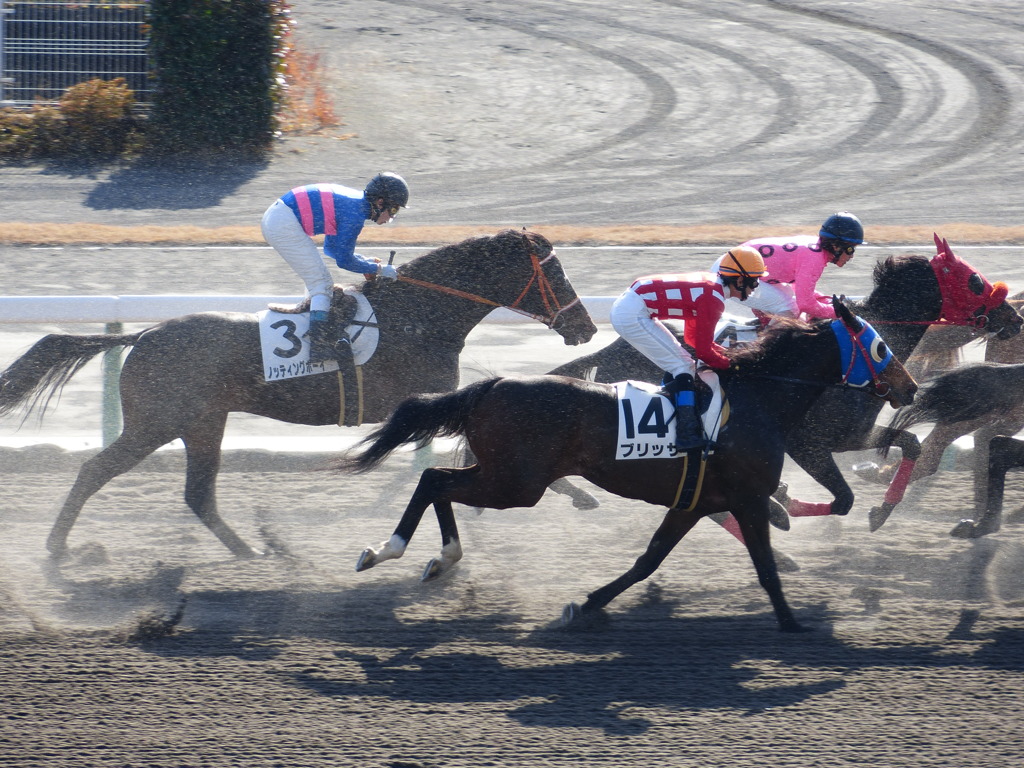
[[338, 213]]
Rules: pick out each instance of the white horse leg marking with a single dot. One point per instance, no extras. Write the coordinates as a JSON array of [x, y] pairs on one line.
[[451, 553], [391, 549]]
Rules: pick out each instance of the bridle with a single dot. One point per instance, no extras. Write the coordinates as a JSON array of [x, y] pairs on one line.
[[959, 306], [553, 318], [858, 351]]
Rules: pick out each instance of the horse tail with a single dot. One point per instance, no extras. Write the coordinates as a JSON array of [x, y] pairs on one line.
[[418, 420], [42, 372], [963, 394]]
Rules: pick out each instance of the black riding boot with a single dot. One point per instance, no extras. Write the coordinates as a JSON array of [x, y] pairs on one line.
[[321, 346], [689, 430]]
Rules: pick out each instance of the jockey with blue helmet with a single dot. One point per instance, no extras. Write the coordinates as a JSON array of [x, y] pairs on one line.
[[795, 265]]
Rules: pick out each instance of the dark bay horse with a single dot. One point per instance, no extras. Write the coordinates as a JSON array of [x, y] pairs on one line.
[[910, 294], [770, 386], [987, 397], [940, 357], [184, 376]]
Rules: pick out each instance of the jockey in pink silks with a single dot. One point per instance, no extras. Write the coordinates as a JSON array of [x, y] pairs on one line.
[[338, 213], [795, 265]]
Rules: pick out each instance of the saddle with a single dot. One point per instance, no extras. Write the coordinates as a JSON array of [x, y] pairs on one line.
[[340, 321], [340, 317]]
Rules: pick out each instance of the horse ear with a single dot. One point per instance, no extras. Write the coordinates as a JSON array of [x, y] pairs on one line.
[[942, 247], [843, 313]]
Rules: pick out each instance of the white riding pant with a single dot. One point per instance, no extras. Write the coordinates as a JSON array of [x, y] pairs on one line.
[[632, 319], [282, 230], [770, 298], [773, 299]]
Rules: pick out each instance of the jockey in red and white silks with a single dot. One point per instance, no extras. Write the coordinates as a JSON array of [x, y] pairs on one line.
[[696, 298]]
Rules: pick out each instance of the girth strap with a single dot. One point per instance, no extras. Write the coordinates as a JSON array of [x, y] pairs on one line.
[[691, 481], [350, 396]]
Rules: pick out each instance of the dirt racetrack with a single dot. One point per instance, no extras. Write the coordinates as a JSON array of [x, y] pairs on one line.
[[150, 646]]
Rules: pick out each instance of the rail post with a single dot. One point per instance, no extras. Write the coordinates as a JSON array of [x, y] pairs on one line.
[[112, 388]]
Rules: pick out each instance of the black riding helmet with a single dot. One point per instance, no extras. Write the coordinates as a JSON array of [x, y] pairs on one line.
[[841, 233], [843, 226], [389, 186]]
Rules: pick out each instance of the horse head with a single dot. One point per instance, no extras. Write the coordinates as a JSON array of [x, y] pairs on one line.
[[867, 360], [968, 298], [548, 295]]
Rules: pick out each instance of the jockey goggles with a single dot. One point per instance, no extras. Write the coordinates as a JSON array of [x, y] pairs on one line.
[[837, 249]]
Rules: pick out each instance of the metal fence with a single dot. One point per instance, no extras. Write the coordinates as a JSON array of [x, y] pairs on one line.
[[46, 47]]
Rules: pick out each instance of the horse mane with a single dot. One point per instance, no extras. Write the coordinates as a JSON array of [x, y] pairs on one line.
[[777, 336], [506, 243], [472, 259], [891, 277]]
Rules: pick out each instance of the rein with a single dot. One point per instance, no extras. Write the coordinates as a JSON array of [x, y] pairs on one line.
[[878, 387], [810, 382], [978, 321], [538, 277]]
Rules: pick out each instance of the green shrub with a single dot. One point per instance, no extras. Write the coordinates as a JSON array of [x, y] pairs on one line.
[[220, 70], [216, 66]]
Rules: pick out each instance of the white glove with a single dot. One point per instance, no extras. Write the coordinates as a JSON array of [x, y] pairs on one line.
[[387, 272]]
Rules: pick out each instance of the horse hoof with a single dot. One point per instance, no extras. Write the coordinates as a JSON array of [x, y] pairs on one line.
[[366, 560], [872, 473], [878, 515], [434, 569], [781, 495], [585, 501], [777, 514]]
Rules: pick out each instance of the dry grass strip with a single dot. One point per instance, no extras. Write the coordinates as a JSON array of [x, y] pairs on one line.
[[14, 233]]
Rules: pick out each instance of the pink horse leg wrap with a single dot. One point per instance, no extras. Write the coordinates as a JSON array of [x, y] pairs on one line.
[[797, 508], [898, 486], [732, 525]]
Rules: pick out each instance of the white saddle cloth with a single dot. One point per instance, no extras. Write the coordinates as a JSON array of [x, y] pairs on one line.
[[286, 347]]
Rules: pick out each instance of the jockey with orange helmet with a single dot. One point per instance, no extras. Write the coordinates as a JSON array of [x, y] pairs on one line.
[[796, 264], [698, 300]]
